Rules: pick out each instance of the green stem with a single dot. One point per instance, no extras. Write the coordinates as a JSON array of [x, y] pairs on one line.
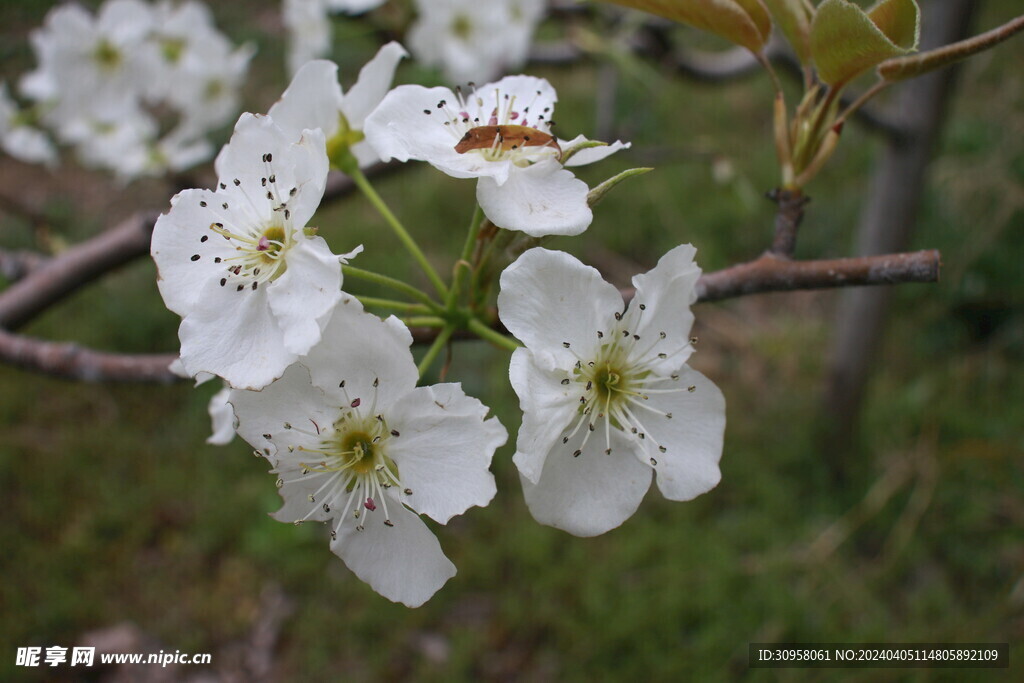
[[397, 285], [425, 321], [403, 236], [404, 306], [463, 264], [493, 336], [435, 348]]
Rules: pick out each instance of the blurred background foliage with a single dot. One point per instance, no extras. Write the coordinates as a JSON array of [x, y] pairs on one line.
[[115, 512]]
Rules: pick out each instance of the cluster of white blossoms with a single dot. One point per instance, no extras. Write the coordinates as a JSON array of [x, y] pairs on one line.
[[136, 88], [472, 40], [326, 391]]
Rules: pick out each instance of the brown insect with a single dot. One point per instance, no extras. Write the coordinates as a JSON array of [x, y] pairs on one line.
[[505, 138]]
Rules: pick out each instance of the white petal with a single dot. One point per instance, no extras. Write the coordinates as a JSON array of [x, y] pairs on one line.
[[222, 418], [444, 449], [548, 407], [360, 349], [261, 414], [693, 437], [408, 125], [590, 494], [373, 83], [301, 165], [312, 100], [234, 335], [549, 297], [667, 291], [541, 199], [529, 91], [591, 154], [178, 238], [304, 297], [404, 562]]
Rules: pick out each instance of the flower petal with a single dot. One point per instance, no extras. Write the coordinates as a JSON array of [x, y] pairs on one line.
[[373, 83], [291, 400], [222, 418], [371, 356], [312, 100], [548, 298], [304, 297], [404, 562], [234, 335], [541, 199], [589, 494], [693, 437], [590, 154], [666, 291], [548, 407], [444, 449], [403, 127]]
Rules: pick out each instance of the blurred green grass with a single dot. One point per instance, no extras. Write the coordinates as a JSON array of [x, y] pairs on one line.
[[115, 510]]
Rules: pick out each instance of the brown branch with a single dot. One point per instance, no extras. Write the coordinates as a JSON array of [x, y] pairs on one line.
[[71, 361], [768, 273], [788, 216], [74, 268]]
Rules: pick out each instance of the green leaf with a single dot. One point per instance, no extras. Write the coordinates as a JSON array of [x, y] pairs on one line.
[[744, 22], [845, 41], [597, 194], [794, 18]]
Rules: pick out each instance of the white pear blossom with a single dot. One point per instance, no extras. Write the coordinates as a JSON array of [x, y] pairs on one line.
[[314, 99], [354, 443], [19, 138], [254, 290], [472, 40], [606, 394], [500, 133]]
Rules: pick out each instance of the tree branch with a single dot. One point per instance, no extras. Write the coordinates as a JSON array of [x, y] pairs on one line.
[[769, 273], [77, 266]]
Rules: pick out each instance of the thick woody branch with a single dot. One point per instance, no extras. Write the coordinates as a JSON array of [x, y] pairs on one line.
[[79, 265], [768, 273], [71, 361]]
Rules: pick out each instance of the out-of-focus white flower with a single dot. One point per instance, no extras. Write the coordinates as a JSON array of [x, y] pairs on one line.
[[606, 394], [309, 31], [253, 289], [315, 100], [500, 133], [472, 40], [356, 444], [137, 87], [19, 138]]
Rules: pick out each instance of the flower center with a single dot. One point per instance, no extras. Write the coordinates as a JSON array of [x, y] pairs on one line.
[[261, 233], [352, 460], [462, 27], [498, 127], [107, 56], [615, 383]]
